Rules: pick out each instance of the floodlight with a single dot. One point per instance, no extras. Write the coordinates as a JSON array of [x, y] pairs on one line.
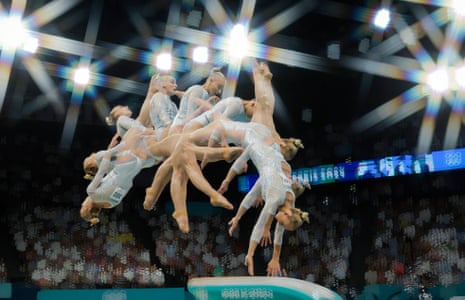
[[382, 18], [164, 61], [81, 76], [238, 42], [200, 54]]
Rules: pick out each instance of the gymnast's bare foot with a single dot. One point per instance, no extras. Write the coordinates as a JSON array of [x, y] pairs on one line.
[[265, 70], [149, 201], [231, 153], [220, 201], [182, 220]]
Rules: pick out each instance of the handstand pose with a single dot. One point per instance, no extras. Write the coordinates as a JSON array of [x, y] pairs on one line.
[[274, 176]]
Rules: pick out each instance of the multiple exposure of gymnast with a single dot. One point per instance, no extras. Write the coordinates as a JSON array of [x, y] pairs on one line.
[[203, 129]]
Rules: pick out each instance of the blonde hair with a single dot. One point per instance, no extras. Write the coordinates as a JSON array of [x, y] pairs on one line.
[[298, 217], [89, 170], [88, 176], [91, 216], [110, 119], [291, 147], [215, 73], [161, 80]]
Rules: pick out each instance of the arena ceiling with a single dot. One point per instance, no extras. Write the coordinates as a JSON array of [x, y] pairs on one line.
[[372, 85]]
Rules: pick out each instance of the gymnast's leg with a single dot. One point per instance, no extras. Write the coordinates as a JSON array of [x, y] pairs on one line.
[[161, 179], [265, 100], [184, 158], [178, 190]]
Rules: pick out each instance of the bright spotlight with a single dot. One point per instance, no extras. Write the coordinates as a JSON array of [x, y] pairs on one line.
[[382, 18], [164, 61], [31, 45], [200, 54], [81, 76], [459, 7], [238, 43], [15, 35], [438, 80]]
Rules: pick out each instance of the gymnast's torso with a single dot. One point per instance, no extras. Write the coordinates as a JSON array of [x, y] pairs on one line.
[[162, 111]]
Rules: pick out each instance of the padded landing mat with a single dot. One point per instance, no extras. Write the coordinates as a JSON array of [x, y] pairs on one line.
[[257, 288]]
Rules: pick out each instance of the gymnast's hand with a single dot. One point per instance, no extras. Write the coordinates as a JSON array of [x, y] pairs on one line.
[[233, 223], [249, 263], [274, 269], [114, 141], [266, 238], [213, 100]]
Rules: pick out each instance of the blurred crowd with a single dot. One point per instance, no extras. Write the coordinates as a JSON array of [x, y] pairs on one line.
[[419, 242]]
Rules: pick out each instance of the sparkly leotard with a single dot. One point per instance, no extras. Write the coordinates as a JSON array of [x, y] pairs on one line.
[[118, 166], [268, 160], [162, 112], [188, 106]]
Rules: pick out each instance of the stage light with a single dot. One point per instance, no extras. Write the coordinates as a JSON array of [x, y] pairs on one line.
[[81, 76], [164, 61], [15, 35], [459, 7], [200, 54], [438, 80], [238, 42], [382, 18]]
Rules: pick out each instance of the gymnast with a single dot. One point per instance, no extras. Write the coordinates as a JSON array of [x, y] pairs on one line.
[[114, 169], [274, 174], [274, 171], [144, 113], [197, 99], [162, 108]]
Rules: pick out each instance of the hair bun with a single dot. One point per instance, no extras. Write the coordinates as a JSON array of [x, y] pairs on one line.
[[94, 221], [109, 120], [88, 177], [305, 217], [298, 143]]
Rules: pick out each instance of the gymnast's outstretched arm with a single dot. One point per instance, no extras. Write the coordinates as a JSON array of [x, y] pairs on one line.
[[144, 114], [246, 203], [235, 169]]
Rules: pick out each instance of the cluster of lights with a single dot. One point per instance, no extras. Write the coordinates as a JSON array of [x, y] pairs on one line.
[[237, 47], [16, 36], [439, 80], [443, 80]]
